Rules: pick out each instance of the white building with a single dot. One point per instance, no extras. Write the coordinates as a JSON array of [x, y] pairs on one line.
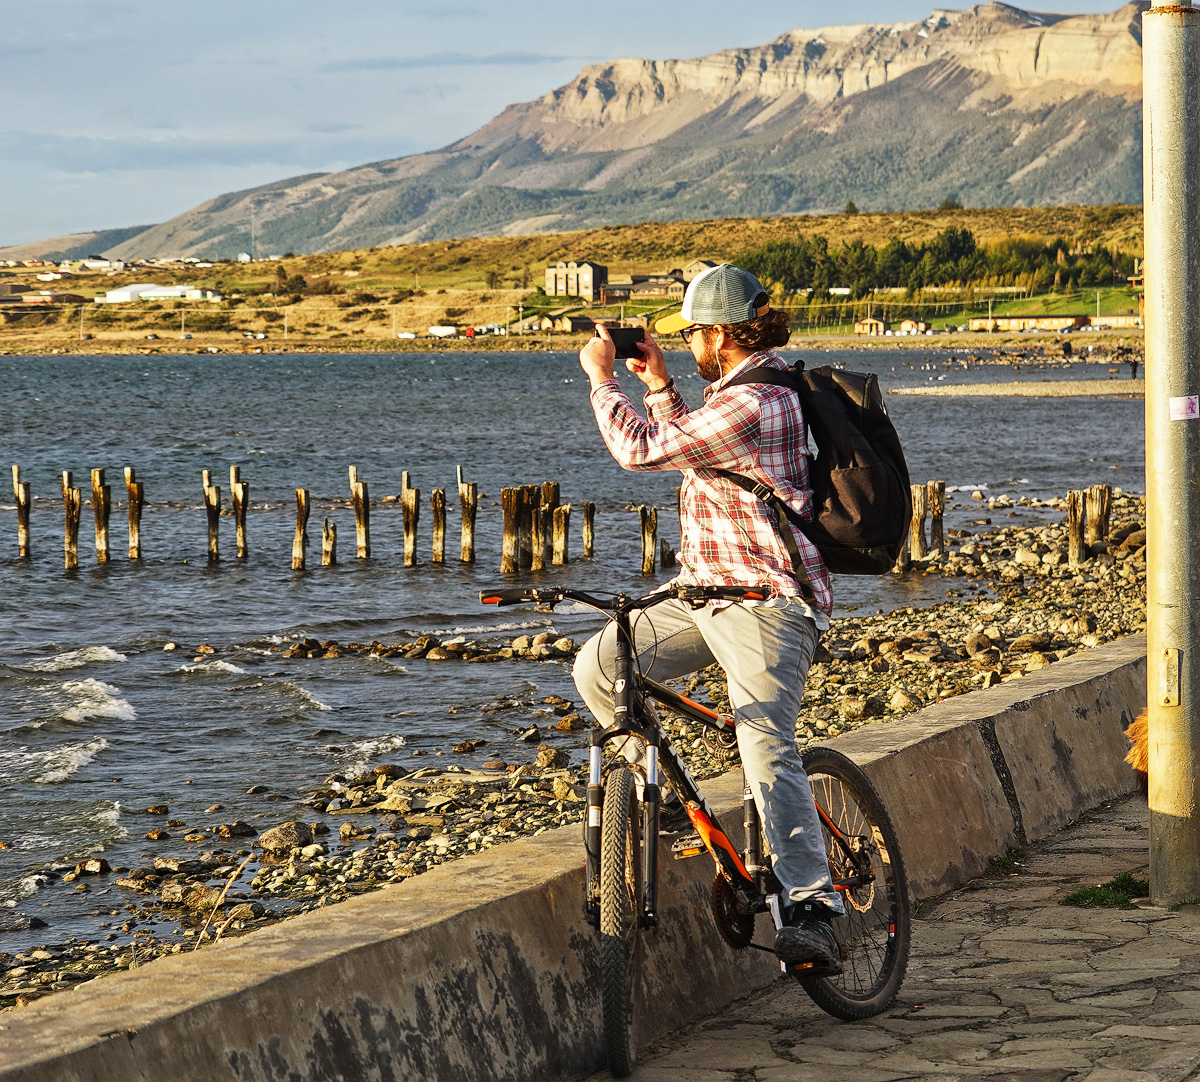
[[244, 257], [148, 291], [103, 264]]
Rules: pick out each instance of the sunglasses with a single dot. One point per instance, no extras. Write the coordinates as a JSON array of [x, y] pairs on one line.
[[687, 332]]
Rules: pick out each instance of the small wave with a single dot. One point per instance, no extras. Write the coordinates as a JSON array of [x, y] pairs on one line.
[[304, 694], [358, 755], [966, 488], [476, 629], [74, 659], [94, 699], [52, 765], [215, 665]]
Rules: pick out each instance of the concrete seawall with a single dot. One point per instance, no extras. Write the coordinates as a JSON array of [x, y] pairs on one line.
[[485, 970]]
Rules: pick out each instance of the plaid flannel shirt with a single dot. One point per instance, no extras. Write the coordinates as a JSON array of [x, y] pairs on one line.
[[730, 537]]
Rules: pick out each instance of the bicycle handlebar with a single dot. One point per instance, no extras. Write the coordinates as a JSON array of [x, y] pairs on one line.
[[551, 596]]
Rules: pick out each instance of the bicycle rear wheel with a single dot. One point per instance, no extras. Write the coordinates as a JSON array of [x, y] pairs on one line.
[[873, 936], [620, 916]]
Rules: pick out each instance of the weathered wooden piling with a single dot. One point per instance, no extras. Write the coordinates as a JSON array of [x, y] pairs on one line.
[[328, 543], [666, 554], [589, 530], [411, 499], [437, 505], [1098, 510], [510, 505], [239, 494], [72, 503], [561, 524], [935, 492], [1077, 552], [540, 528], [361, 500], [468, 497], [300, 540], [101, 509], [550, 502], [135, 499], [917, 546], [212, 504], [24, 497], [649, 517], [531, 501], [904, 559]]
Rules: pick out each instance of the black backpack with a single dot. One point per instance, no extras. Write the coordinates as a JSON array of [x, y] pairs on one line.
[[861, 497]]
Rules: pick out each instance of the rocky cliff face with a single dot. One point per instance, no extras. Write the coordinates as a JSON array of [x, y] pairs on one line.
[[998, 105]]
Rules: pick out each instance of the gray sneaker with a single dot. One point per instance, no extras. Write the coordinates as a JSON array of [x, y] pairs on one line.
[[806, 938]]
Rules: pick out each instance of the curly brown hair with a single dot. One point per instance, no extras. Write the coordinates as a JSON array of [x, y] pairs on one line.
[[768, 331]]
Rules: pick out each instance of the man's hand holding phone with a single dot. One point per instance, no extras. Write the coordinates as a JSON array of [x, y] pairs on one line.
[[642, 356]]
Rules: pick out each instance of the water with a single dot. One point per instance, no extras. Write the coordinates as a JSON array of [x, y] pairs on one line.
[[97, 722]]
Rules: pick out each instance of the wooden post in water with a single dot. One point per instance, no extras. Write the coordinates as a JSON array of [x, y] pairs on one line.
[[550, 501], [361, 499], [468, 496], [1077, 552], [917, 546], [437, 503], [666, 555], [72, 502], [328, 543], [300, 541], [589, 529], [649, 517], [936, 494], [239, 494], [101, 509], [510, 504], [540, 526], [135, 498], [561, 519], [212, 504], [24, 498], [1099, 507], [904, 559], [411, 498], [531, 499]]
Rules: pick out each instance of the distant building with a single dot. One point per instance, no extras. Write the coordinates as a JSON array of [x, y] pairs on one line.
[[696, 266], [913, 326], [576, 324], [872, 326], [670, 286], [148, 291], [8, 289], [1115, 322], [53, 276], [47, 297], [244, 257], [576, 279], [98, 264], [1027, 323]]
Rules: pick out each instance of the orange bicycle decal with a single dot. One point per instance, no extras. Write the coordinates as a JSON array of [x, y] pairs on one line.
[[714, 835]]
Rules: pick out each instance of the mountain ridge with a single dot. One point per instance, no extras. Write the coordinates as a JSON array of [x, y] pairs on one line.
[[1001, 106]]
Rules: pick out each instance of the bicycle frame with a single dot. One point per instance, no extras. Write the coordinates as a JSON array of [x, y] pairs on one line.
[[634, 717]]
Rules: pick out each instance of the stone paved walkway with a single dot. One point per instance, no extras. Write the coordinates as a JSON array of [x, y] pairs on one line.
[[1003, 984]]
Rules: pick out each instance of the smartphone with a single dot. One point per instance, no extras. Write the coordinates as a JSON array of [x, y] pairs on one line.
[[624, 338]]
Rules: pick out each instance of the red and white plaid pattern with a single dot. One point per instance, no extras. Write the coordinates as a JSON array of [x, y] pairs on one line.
[[730, 537]]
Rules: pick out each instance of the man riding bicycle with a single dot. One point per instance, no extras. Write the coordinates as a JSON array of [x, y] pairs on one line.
[[732, 538]]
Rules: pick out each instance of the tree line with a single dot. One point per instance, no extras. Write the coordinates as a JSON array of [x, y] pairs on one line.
[[953, 258]]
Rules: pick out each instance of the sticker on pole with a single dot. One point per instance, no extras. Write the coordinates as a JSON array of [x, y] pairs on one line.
[[1185, 408]]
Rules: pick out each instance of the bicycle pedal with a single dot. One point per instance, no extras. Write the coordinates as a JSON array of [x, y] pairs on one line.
[[812, 969], [690, 846]]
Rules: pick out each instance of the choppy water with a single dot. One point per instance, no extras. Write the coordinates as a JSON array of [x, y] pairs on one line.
[[97, 722]]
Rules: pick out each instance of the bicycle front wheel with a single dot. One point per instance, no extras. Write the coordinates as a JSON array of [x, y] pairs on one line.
[[620, 916], [873, 936]]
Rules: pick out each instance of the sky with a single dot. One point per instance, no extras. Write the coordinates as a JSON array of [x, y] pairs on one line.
[[128, 112]]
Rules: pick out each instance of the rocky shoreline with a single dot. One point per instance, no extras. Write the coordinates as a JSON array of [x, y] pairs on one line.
[[1015, 606]]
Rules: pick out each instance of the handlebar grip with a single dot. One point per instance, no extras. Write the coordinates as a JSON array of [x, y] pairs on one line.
[[505, 597]]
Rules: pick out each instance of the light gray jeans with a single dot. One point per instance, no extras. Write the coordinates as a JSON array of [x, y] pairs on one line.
[[765, 651]]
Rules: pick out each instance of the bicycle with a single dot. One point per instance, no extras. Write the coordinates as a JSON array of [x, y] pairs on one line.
[[621, 837]]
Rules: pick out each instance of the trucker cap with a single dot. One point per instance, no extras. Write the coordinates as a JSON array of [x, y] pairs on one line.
[[721, 294]]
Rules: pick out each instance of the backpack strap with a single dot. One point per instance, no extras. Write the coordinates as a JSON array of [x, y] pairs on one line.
[[788, 518]]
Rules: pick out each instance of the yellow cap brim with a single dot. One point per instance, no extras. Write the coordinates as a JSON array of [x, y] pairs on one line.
[[672, 323]]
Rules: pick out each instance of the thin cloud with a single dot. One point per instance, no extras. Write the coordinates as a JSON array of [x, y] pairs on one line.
[[443, 60]]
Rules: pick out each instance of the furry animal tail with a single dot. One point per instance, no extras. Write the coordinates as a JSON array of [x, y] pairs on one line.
[[1138, 735]]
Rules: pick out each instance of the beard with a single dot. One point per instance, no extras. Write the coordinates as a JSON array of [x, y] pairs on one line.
[[708, 364]]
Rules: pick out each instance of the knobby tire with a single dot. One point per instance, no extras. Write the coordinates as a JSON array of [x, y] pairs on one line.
[[620, 916], [873, 936]]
